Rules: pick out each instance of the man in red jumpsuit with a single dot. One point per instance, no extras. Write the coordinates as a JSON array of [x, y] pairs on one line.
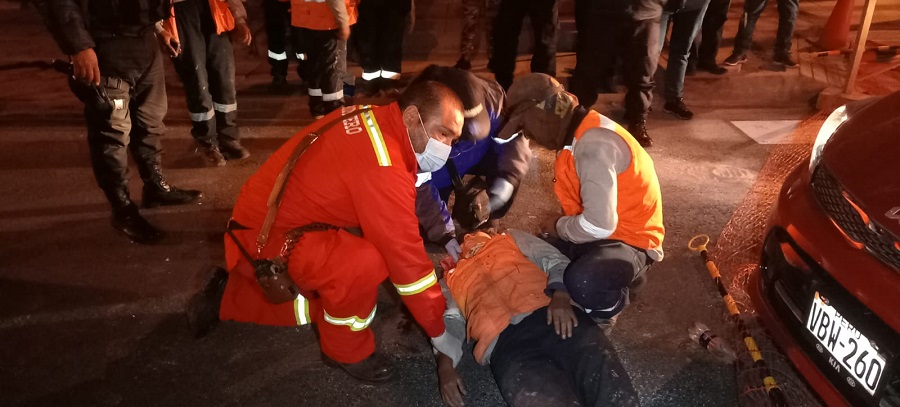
[[360, 173]]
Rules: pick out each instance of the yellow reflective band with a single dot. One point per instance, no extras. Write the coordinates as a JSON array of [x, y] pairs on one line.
[[418, 286], [381, 152], [354, 322], [301, 310]]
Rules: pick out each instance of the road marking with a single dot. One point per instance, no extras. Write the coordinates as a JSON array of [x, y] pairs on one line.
[[769, 131]]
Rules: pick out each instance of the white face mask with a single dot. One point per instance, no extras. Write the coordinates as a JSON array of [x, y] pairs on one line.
[[435, 155]]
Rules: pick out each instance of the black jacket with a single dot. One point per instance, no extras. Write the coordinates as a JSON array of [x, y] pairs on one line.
[[77, 24]]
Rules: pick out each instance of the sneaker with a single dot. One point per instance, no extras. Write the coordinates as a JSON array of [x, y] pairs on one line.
[[212, 155], [639, 132], [712, 68], [736, 58], [679, 109], [785, 59], [233, 150], [203, 310]]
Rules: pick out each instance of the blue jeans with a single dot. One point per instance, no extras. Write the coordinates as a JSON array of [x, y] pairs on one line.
[[685, 25], [787, 15]]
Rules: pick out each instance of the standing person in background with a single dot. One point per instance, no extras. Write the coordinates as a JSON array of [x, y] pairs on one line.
[[320, 31], [379, 40], [639, 64], [602, 30], [206, 68], [478, 18], [507, 27], [113, 50], [278, 24], [685, 24], [787, 16], [706, 46]]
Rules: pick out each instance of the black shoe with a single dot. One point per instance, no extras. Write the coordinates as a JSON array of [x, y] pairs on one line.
[[163, 194], [203, 310], [679, 109], [736, 58], [211, 155], [712, 68], [233, 150], [129, 221], [279, 84], [373, 369], [463, 64], [785, 59], [639, 132]]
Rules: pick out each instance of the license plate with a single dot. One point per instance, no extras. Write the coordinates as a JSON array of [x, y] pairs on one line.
[[849, 351]]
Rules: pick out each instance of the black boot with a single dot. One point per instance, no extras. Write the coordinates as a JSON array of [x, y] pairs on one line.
[[203, 310], [128, 220], [638, 130], [158, 192], [233, 150], [373, 369]]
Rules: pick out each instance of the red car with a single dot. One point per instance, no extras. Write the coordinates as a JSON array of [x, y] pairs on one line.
[[828, 285]]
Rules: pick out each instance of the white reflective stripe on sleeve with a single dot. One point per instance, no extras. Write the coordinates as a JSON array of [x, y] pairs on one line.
[[422, 178], [470, 113], [202, 117], [327, 97], [355, 323], [278, 56], [225, 108], [418, 286], [301, 310], [301, 56], [511, 138], [390, 75], [368, 76], [315, 92], [592, 230]]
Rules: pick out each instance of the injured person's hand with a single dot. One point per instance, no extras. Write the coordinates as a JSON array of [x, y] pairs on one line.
[[451, 384], [561, 315]]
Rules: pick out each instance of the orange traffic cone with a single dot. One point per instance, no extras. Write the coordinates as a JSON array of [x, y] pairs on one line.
[[836, 33]]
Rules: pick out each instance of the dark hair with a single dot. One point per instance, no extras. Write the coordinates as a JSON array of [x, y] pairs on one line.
[[429, 97], [457, 80]]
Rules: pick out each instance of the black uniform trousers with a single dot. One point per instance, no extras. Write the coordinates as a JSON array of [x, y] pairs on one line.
[[206, 68], [602, 32], [706, 46], [278, 23], [535, 367], [507, 27], [324, 68], [639, 66], [378, 37], [132, 72]]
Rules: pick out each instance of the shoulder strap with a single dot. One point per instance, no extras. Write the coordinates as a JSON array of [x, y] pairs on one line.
[[277, 193]]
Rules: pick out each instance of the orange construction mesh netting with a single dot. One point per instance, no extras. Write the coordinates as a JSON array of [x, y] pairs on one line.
[[737, 253]]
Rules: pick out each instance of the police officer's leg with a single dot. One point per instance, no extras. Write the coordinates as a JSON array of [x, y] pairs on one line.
[[639, 65], [507, 27], [276, 18], [599, 276], [148, 108], [191, 67], [544, 20], [220, 65]]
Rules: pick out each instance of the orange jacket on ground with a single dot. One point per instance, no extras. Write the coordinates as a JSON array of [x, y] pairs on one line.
[[359, 173], [317, 15], [492, 287], [638, 206]]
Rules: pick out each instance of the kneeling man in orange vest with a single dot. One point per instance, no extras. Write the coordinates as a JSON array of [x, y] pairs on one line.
[[612, 222]]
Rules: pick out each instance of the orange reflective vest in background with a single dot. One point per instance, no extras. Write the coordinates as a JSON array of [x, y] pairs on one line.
[[221, 14], [494, 285], [315, 14], [639, 205]]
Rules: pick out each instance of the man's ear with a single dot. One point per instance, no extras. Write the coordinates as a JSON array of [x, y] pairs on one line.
[[411, 116]]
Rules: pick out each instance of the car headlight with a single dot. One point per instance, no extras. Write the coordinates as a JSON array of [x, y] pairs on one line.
[[834, 120]]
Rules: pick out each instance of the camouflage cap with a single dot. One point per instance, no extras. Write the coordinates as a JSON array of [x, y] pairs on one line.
[[539, 100]]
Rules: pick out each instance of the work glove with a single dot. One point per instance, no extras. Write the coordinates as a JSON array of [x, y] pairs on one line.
[[453, 249], [473, 208], [448, 345]]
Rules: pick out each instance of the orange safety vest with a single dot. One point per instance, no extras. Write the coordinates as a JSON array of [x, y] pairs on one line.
[[496, 284], [315, 14], [639, 205], [221, 14]]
